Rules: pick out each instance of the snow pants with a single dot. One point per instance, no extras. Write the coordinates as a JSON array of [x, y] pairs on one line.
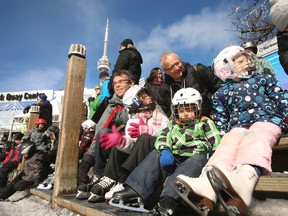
[[251, 146]]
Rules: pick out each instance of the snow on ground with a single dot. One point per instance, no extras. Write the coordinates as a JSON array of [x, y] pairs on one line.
[[22, 204]]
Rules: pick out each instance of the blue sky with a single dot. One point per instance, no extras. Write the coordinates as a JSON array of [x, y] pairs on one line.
[[36, 35]]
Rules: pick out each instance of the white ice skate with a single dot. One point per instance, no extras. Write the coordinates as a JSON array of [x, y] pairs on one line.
[[118, 187], [196, 192], [234, 189], [48, 183]]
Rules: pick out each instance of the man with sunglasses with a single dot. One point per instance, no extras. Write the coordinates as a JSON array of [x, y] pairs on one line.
[[179, 75]]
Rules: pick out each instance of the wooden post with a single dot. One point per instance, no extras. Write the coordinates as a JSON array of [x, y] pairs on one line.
[[68, 146], [34, 115]]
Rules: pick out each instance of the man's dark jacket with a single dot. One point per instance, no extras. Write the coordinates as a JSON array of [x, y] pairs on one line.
[[198, 77]]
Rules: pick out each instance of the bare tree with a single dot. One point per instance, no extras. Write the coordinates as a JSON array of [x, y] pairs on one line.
[[251, 20]]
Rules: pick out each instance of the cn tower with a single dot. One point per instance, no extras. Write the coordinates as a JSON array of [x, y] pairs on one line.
[[103, 64]]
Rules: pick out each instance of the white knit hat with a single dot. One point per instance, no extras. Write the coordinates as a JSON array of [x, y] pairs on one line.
[[279, 13]]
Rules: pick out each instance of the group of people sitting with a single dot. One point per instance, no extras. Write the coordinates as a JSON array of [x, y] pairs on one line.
[[37, 149], [205, 137]]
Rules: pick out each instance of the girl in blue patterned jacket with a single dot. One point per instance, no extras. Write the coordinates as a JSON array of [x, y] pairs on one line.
[[250, 110]]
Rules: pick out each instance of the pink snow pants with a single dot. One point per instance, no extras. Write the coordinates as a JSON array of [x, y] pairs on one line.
[[247, 146]]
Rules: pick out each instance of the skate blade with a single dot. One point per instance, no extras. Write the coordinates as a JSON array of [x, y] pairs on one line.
[[82, 195], [45, 187], [95, 198], [121, 205], [183, 191], [218, 184]]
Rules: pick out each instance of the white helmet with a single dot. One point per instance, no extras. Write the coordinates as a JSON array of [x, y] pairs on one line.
[[130, 95], [190, 97], [225, 68], [89, 124]]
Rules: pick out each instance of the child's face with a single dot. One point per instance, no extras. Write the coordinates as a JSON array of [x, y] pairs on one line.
[[241, 63], [186, 112], [41, 125], [146, 99]]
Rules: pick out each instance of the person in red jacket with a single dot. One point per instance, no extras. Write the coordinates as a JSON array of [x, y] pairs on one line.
[[10, 158]]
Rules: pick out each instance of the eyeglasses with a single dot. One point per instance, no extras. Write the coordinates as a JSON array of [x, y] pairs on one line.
[[173, 66], [121, 82], [97, 88]]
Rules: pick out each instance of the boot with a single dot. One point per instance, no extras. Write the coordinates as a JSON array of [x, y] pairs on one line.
[[197, 192], [98, 191], [128, 199], [126, 194], [238, 185], [83, 190], [118, 187]]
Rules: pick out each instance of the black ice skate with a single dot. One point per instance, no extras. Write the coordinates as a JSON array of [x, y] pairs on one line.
[[128, 199], [98, 191], [198, 204], [83, 190], [234, 188]]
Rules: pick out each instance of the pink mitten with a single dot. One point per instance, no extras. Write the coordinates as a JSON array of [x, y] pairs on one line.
[[109, 140], [134, 131], [138, 129]]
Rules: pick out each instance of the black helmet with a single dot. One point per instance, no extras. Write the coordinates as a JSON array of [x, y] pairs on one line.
[[250, 45], [18, 136], [54, 130], [27, 147], [7, 146]]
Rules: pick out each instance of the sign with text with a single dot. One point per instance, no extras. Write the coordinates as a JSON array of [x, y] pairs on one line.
[[25, 96]]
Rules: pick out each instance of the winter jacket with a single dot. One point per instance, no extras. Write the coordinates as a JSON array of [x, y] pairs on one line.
[[46, 112], [130, 59], [93, 106], [202, 137], [153, 89], [282, 40], [156, 122], [258, 99], [37, 167], [199, 77], [120, 118], [13, 156], [41, 141]]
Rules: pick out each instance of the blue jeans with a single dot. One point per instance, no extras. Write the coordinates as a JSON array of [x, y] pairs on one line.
[[148, 175]]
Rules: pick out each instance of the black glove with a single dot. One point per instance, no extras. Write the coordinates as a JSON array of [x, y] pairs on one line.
[[90, 99], [26, 109]]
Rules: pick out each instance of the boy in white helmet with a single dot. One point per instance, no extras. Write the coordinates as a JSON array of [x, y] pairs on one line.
[[182, 147], [250, 110]]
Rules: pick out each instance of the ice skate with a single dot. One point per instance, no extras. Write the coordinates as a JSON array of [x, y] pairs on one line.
[[98, 191], [128, 199], [83, 190], [234, 189], [196, 192], [48, 183], [118, 187]]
